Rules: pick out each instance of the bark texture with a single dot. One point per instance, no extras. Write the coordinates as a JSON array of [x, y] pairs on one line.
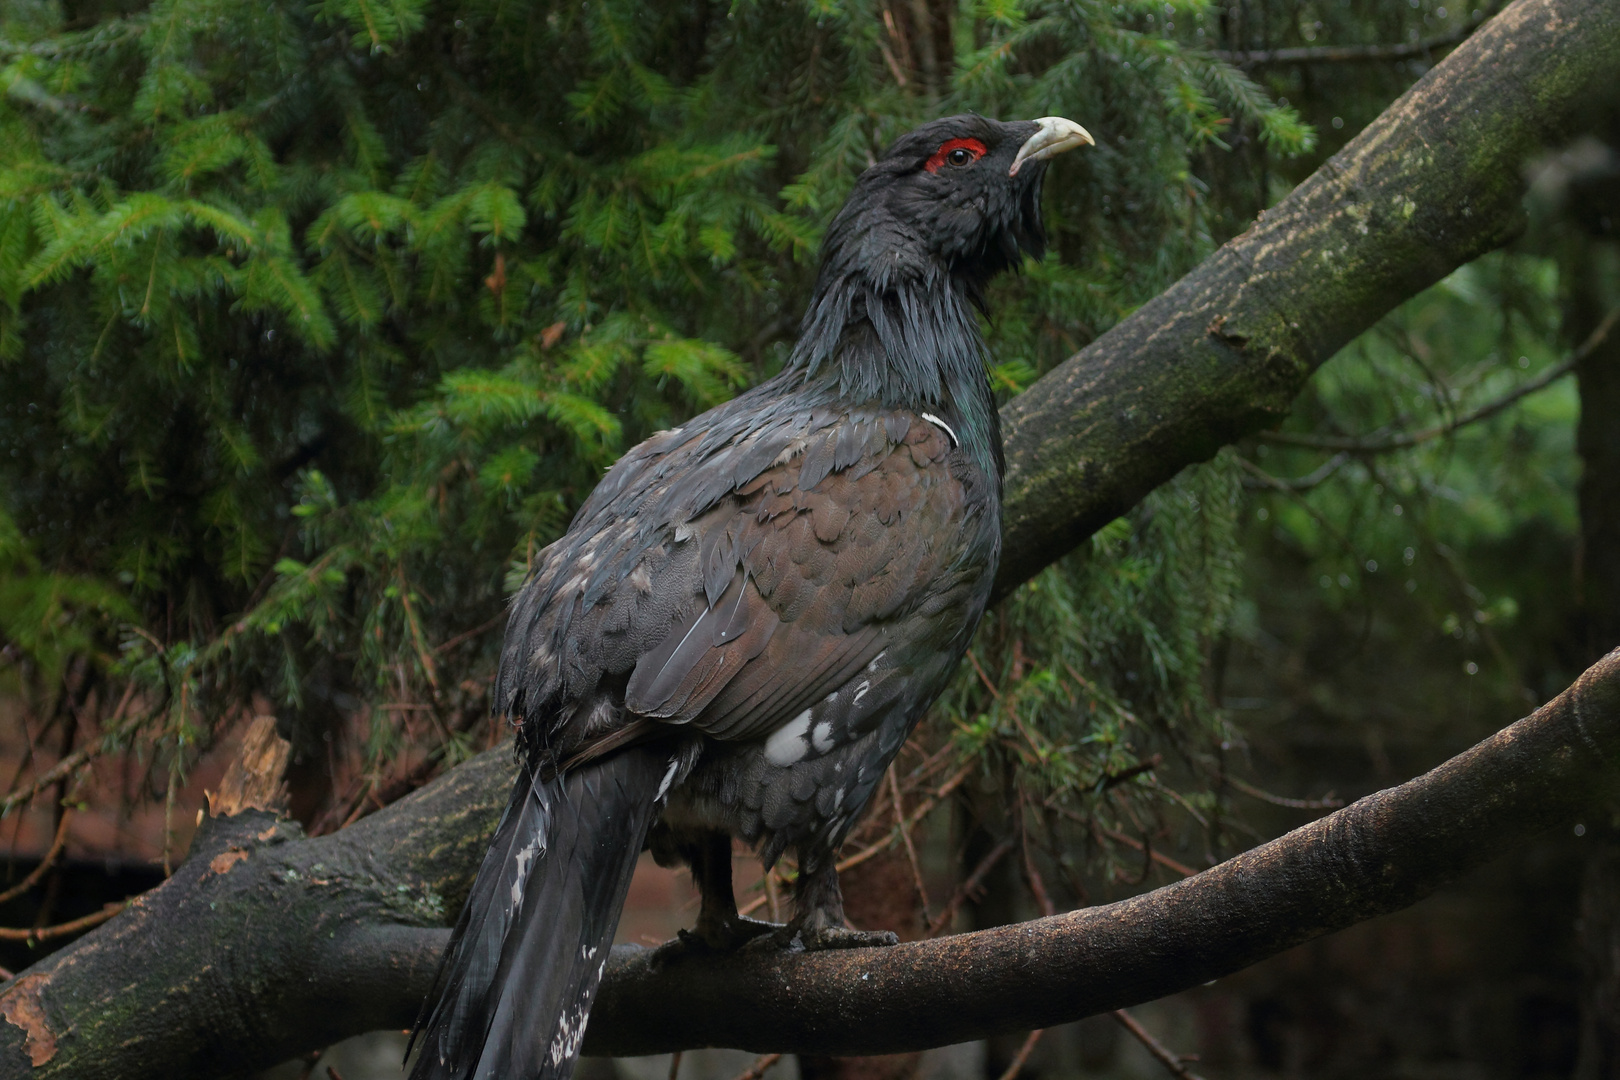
[[266, 943]]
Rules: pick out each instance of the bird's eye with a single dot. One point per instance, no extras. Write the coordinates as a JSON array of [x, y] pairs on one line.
[[956, 153]]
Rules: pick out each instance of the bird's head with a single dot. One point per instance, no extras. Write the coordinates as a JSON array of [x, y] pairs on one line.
[[947, 207], [961, 194]]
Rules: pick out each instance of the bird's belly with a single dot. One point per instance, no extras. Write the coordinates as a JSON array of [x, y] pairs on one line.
[[813, 801]]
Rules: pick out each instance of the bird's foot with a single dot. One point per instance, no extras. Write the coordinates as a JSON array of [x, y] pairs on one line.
[[715, 936], [845, 937], [734, 931], [813, 936]]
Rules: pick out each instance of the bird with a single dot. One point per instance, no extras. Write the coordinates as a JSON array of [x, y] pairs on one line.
[[750, 612]]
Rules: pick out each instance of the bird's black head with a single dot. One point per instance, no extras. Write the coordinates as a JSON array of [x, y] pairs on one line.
[[960, 195], [947, 207]]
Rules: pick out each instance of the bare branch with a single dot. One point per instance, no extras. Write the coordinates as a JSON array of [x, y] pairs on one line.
[[1408, 439], [1349, 54], [1160, 1052]]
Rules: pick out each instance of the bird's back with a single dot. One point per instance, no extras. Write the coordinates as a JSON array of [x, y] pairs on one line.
[[775, 578]]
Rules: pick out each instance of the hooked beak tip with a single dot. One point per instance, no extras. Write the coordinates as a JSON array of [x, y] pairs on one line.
[[1054, 136]]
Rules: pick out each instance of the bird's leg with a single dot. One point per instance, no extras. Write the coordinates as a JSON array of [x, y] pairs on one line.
[[818, 913], [719, 926]]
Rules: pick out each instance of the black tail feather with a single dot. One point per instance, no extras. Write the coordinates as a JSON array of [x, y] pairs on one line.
[[522, 967]]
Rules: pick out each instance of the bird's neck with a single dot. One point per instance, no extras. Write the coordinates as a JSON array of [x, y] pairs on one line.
[[912, 343]]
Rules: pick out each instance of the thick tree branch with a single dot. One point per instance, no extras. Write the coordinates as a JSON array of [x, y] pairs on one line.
[[266, 943], [1433, 183]]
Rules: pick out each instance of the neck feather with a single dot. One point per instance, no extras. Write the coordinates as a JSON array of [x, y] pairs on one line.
[[907, 343]]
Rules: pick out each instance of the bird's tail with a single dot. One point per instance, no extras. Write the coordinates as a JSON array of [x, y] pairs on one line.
[[521, 970]]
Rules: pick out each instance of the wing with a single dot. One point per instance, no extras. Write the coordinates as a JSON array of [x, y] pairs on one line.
[[731, 582]]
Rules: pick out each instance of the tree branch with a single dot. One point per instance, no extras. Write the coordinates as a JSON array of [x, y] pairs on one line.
[[1377, 855], [1348, 54], [267, 943], [1433, 183]]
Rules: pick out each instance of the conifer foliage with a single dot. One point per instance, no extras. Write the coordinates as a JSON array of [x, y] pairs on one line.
[[317, 321]]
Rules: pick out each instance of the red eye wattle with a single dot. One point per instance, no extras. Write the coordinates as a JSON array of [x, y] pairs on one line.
[[956, 152]]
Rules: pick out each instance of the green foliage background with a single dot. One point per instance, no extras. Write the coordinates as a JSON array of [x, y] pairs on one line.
[[317, 320]]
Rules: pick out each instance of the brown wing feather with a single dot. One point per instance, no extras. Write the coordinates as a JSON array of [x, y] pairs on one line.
[[813, 575]]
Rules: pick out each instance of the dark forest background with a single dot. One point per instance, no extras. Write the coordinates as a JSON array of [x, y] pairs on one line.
[[317, 321]]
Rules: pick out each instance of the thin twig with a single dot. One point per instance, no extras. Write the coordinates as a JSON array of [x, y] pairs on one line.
[[45, 864], [905, 838], [1023, 1054], [1154, 853], [988, 685], [770, 895], [1154, 1046], [47, 933], [965, 891], [1348, 54], [312, 1060], [476, 631], [1407, 439], [1037, 887], [1108, 780], [1327, 802], [1317, 476], [70, 763], [418, 638], [760, 1066], [674, 1065]]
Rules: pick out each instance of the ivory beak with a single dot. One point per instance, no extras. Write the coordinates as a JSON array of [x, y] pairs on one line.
[[1054, 137]]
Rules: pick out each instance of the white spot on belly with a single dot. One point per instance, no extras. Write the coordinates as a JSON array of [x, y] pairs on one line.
[[821, 736], [786, 744], [860, 691], [873, 665]]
